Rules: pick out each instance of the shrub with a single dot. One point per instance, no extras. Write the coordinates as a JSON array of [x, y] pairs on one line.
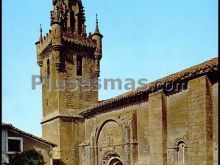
[[30, 157]]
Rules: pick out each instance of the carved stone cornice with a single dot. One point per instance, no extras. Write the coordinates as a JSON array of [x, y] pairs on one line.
[[47, 50], [79, 40], [68, 114], [65, 118]]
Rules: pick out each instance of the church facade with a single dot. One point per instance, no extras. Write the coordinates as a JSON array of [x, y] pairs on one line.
[[171, 121]]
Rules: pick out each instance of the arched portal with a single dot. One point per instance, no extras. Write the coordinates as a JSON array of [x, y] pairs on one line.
[[115, 161], [111, 157], [109, 142]]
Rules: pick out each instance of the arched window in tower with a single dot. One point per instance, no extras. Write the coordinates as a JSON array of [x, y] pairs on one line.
[[79, 65], [181, 152], [48, 67]]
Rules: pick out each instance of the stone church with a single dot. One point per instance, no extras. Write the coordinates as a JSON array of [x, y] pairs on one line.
[[151, 125]]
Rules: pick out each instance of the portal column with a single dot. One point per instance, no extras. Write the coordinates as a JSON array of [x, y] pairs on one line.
[[126, 140]]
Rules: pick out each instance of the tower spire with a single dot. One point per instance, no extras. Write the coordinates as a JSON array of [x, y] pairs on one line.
[[97, 25], [41, 34]]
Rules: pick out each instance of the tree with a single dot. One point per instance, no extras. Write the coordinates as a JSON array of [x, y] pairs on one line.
[[30, 157]]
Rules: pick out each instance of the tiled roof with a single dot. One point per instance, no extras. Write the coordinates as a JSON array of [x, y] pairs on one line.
[[187, 74], [11, 127]]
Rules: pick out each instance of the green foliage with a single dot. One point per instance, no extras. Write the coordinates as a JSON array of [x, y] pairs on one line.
[[30, 157]]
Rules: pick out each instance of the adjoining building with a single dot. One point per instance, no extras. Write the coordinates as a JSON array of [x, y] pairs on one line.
[[15, 141], [170, 121]]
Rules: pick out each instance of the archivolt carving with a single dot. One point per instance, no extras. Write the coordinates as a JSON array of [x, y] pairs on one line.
[[110, 155], [104, 123]]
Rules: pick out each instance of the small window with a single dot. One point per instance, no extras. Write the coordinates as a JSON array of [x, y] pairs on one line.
[[15, 144], [79, 65], [181, 152]]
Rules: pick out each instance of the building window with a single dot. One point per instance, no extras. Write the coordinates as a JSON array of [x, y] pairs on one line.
[[79, 65], [15, 144], [48, 67], [181, 152]]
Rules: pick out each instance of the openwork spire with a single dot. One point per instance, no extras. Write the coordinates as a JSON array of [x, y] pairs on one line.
[[59, 13], [70, 15]]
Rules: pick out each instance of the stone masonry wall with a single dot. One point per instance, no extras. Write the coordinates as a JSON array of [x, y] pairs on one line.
[[157, 128], [215, 123], [200, 121], [163, 120]]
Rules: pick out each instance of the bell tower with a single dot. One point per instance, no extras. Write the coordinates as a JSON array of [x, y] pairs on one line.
[[69, 62]]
